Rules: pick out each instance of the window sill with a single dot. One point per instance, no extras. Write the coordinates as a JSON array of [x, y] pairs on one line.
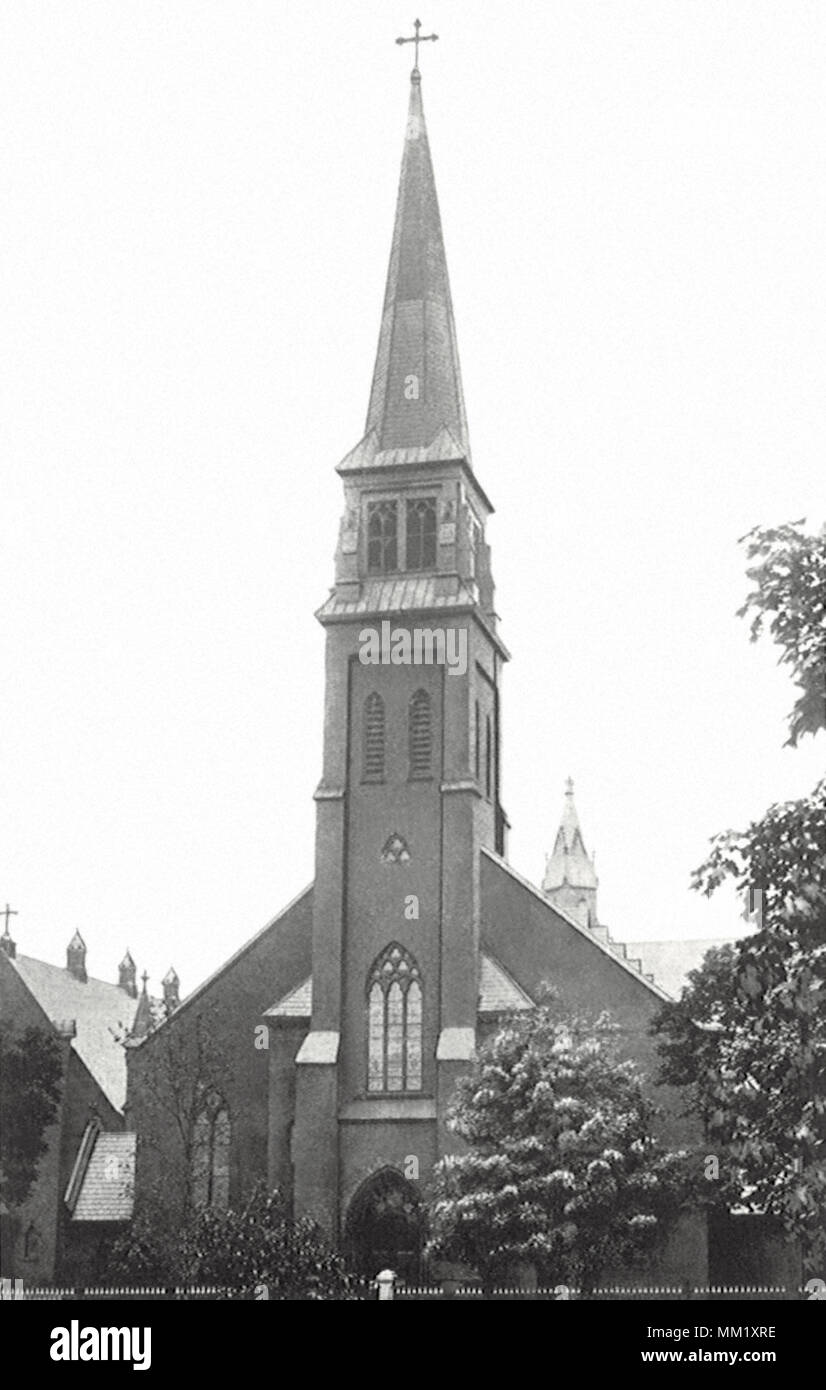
[[385, 1107]]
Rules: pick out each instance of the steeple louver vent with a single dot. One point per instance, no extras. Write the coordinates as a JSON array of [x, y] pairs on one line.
[[421, 741], [373, 768]]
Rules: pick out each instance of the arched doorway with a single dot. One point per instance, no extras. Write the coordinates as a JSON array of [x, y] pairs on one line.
[[384, 1227]]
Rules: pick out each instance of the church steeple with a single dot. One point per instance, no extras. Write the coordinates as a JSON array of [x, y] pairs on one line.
[[417, 409], [570, 877], [413, 505], [411, 745], [417, 385]]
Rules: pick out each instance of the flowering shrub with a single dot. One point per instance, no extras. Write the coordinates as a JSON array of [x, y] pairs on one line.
[[563, 1171]]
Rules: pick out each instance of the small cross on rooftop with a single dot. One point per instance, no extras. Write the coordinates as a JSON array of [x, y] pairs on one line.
[[416, 39]]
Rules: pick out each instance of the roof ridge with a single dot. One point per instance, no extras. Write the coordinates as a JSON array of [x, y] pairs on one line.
[[236, 956], [583, 931]]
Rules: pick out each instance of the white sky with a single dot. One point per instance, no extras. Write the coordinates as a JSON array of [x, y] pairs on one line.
[[197, 201]]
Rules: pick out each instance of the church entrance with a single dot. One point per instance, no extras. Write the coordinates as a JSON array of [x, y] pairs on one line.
[[384, 1228]]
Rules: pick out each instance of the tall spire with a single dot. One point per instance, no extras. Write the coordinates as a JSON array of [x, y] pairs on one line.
[[143, 1021], [417, 386], [570, 877]]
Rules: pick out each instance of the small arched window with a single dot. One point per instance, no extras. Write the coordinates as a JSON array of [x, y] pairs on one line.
[[373, 736], [210, 1153], [394, 1026], [420, 735]]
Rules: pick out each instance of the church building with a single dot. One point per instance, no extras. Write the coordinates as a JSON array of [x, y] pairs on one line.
[[338, 1032]]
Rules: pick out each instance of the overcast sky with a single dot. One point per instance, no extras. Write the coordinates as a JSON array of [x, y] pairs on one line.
[[197, 202]]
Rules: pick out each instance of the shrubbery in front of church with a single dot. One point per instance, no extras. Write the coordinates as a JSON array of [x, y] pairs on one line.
[[255, 1249], [563, 1172]]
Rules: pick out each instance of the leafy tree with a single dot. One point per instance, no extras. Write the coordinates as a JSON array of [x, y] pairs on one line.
[[31, 1071], [181, 1074], [257, 1246], [563, 1171], [789, 598], [748, 1037]]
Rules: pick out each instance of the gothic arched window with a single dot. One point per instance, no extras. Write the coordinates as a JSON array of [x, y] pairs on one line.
[[210, 1153], [373, 747], [382, 543], [420, 737], [394, 1010], [421, 533]]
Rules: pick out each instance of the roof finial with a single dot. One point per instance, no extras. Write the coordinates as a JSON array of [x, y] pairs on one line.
[[416, 39], [8, 945], [569, 786]]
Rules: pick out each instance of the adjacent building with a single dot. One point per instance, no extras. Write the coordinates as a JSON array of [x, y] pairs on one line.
[[84, 1185]]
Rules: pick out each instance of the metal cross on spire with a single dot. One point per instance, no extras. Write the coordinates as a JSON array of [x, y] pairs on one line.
[[416, 39], [8, 912]]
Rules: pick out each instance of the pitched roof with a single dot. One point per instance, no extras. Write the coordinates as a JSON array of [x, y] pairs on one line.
[[498, 991], [367, 454], [101, 1187], [298, 1003], [398, 596], [569, 863], [417, 387], [100, 1011], [599, 936], [234, 959], [670, 961]]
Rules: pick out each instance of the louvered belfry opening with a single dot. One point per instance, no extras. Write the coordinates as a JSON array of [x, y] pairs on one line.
[[420, 735], [374, 738]]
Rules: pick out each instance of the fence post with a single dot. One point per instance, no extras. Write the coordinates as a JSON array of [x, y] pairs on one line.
[[386, 1284]]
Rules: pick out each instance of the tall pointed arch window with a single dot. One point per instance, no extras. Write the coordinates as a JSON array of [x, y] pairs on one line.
[[210, 1153], [394, 1027], [420, 735], [373, 739], [420, 548], [382, 538]]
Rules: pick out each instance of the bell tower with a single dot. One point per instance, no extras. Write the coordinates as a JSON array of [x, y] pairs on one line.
[[411, 767]]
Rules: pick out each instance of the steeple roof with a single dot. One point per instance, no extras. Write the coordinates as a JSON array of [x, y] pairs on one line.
[[144, 1020], [570, 862], [417, 387]]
